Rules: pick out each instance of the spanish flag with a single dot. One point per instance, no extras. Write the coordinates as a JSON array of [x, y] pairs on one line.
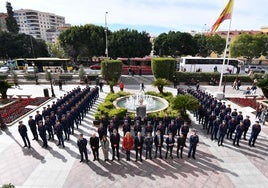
[[225, 15]]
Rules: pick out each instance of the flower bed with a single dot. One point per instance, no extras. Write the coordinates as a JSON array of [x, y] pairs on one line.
[[17, 109], [245, 102]]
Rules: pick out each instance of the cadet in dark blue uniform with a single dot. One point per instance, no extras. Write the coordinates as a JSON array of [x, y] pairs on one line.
[[23, 133], [32, 125], [82, 145], [238, 133], [194, 139], [59, 132], [49, 127], [256, 129], [222, 132], [247, 124], [42, 133]]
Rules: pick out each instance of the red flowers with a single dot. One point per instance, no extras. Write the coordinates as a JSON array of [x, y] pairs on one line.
[[15, 110], [245, 102]]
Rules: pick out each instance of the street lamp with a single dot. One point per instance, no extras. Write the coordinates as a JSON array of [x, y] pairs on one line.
[[106, 37], [35, 75], [50, 79]]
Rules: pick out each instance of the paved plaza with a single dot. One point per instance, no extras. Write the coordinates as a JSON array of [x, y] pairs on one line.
[[56, 167]]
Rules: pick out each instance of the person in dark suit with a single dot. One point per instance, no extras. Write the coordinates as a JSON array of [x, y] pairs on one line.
[[32, 125], [82, 146], [95, 144], [180, 145], [115, 139], [23, 133], [194, 139], [170, 143], [42, 133], [158, 141], [139, 145], [148, 145]]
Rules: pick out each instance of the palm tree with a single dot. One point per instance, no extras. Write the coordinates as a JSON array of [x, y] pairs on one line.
[[160, 83], [185, 102]]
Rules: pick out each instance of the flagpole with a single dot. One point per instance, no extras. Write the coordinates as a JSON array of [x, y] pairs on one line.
[[225, 50]]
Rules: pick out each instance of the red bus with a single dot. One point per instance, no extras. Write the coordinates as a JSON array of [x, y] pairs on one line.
[[136, 65]]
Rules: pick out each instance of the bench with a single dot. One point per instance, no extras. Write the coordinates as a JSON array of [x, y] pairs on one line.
[[20, 96]]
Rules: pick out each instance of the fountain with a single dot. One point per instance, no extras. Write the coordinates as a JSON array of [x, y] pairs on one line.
[[141, 103]]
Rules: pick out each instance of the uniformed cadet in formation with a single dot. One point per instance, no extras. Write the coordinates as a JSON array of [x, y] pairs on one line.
[[32, 125], [23, 133], [94, 144], [194, 140]]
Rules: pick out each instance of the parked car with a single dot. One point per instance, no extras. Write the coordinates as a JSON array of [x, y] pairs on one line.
[[254, 69], [96, 66], [4, 70]]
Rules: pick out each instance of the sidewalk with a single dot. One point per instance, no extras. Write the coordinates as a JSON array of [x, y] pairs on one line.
[[215, 166]]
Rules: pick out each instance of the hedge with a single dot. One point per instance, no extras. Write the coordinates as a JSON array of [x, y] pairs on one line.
[[206, 76], [3, 76], [66, 77]]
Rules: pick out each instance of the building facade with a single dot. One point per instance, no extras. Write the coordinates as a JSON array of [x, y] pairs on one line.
[[40, 25], [3, 26]]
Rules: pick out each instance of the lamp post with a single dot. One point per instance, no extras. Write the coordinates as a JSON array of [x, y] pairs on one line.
[[106, 37], [50, 79], [106, 46], [35, 75]]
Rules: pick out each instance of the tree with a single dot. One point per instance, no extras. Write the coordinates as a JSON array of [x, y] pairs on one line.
[[207, 44], [25, 45], [263, 84], [55, 50], [11, 22], [4, 86], [111, 71], [83, 41], [250, 46], [185, 102], [129, 43], [175, 44], [160, 83]]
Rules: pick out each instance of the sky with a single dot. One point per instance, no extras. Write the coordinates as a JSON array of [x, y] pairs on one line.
[[152, 16]]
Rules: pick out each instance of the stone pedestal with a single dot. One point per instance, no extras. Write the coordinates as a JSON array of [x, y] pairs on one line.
[[141, 111], [219, 95]]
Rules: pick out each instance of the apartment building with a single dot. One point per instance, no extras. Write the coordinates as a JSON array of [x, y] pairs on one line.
[[41, 25], [3, 26]]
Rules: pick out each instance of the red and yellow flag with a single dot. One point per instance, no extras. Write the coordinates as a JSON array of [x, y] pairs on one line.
[[225, 15]]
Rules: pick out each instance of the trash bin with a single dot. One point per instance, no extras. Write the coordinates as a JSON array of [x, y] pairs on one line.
[[46, 94]]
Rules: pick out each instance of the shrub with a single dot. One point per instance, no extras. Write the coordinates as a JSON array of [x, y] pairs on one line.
[[163, 68], [120, 112], [3, 76], [8, 186]]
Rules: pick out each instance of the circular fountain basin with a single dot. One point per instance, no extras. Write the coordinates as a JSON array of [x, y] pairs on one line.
[[131, 102]]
